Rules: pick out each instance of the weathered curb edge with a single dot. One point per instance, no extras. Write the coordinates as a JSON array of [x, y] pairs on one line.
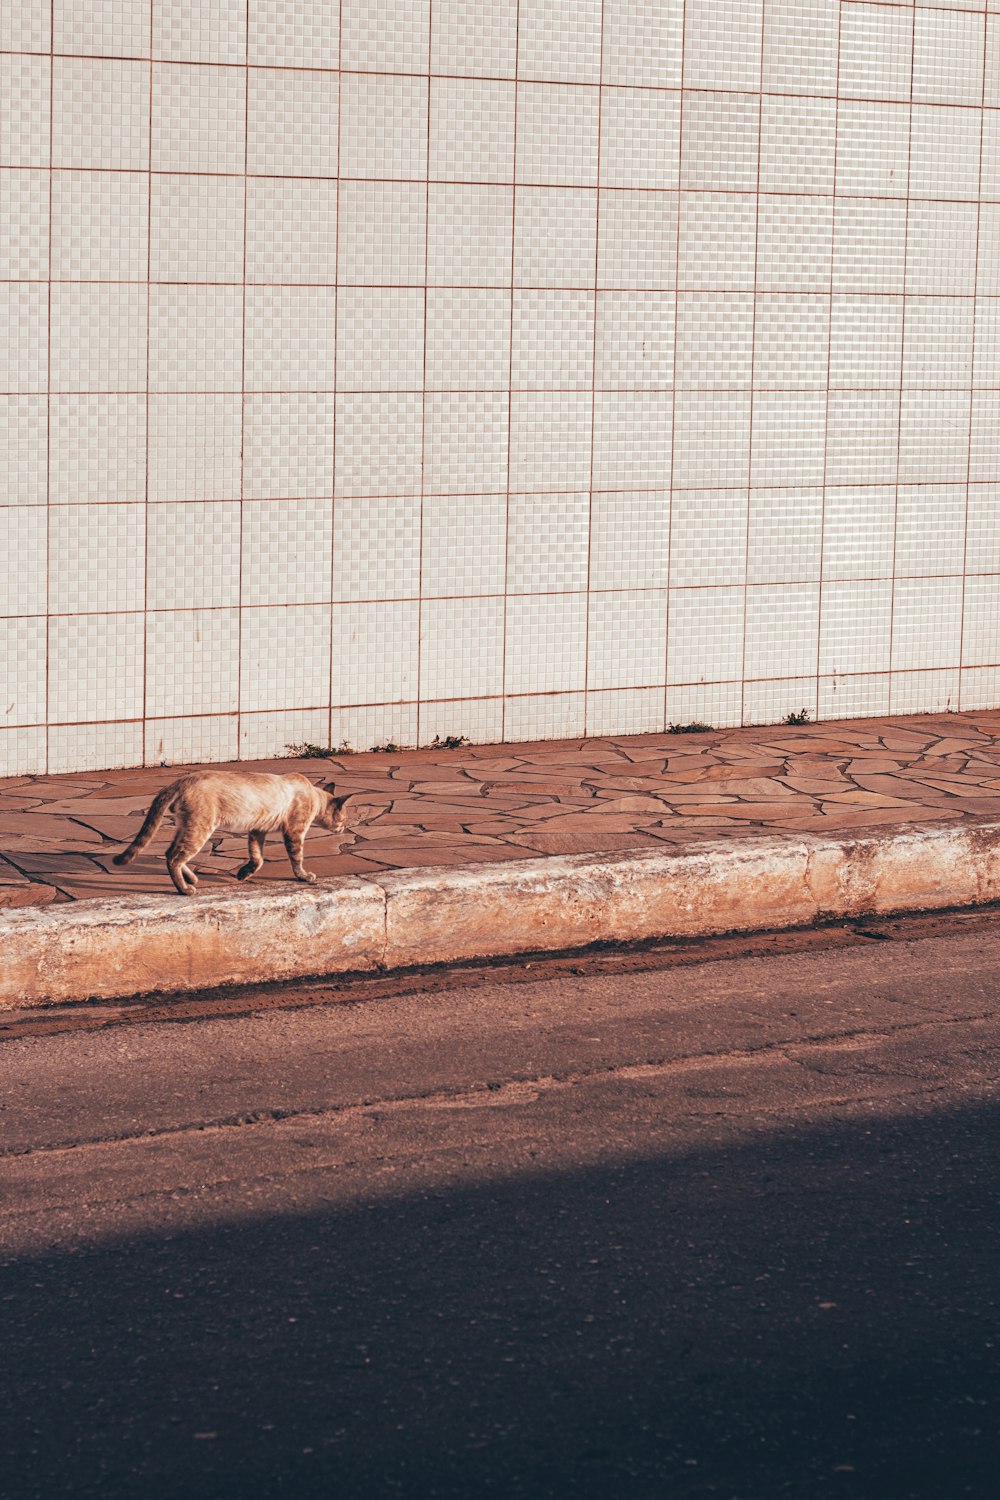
[[128, 946]]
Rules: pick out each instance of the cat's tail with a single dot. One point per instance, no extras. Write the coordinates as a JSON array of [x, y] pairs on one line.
[[161, 805]]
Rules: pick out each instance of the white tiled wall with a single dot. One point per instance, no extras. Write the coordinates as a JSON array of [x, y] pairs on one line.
[[380, 369]]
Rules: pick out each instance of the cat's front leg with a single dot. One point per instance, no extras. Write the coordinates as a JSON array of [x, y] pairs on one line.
[[293, 848]]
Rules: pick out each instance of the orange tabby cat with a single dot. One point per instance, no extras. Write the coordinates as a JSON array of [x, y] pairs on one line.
[[250, 802]]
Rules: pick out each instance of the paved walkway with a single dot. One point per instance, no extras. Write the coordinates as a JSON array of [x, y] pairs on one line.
[[505, 802]]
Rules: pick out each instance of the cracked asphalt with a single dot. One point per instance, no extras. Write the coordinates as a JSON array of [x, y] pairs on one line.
[[698, 1220]]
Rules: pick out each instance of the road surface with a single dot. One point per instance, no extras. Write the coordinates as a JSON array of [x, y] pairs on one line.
[[708, 1220]]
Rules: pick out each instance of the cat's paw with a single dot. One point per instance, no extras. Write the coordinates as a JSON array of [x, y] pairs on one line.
[[244, 872], [307, 877]]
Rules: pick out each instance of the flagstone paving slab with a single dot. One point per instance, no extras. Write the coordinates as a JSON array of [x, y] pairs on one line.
[[481, 803]]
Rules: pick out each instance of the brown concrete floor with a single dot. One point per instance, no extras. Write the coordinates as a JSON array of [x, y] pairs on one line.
[[518, 801]]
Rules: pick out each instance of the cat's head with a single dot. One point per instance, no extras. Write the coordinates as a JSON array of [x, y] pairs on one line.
[[333, 814]]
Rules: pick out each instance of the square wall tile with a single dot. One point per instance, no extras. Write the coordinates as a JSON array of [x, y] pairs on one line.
[[461, 648], [979, 687], [938, 342], [100, 113], [789, 438], [981, 627], [192, 662], [708, 537], [198, 118], [548, 541], [378, 449], [383, 126], [859, 525], [930, 529], [632, 439], [711, 439], [866, 340], [464, 545], [982, 533], [642, 43], [391, 36], [798, 139], [102, 28], [800, 47], [292, 123], [97, 747], [876, 50], [548, 48], [289, 333], [376, 548], [193, 560], [941, 248], [705, 640], [948, 57], [924, 692], [945, 151], [546, 643], [986, 368], [553, 340], [626, 639], [23, 337], [791, 341], [862, 437], [855, 627], [557, 134], [24, 224], [465, 443], [550, 440], [637, 240], [934, 436], [195, 338], [716, 703], [189, 31], [196, 228], [863, 696], [468, 338], [640, 138], [98, 337], [23, 751], [95, 668], [479, 719], [721, 143], [285, 657], [371, 726], [183, 742], [96, 559], [23, 532], [291, 230], [722, 44], [25, 26], [984, 445], [100, 226], [22, 670], [634, 340], [548, 716], [382, 233], [926, 623], [305, 34], [784, 535], [269, 735], [471, 130], [555, 237], [794, 244], [26, 86], [782, 630], [872, 149], [625, 711], [715, 340], [380, 338], [478, 41], [869, 246], [630, 539], [717, 242], [287, 548], [375, 652], [288, 446], [23, 449], [194, 447]]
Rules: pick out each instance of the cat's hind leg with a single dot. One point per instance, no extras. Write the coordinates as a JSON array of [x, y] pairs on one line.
[[184, 848], [293, 848], [255, 846]]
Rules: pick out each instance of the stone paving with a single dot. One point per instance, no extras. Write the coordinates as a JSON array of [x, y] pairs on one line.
[[518, 801]]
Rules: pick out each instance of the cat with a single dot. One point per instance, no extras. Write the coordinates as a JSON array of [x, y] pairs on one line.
[[250, 802]]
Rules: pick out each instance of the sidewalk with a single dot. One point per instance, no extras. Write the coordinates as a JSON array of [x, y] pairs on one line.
[[468, 808]]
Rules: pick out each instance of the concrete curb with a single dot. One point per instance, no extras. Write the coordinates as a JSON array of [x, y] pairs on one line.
[[135, 945]]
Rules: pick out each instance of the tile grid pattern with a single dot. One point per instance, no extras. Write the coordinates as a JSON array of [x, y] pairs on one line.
[[377, 371]]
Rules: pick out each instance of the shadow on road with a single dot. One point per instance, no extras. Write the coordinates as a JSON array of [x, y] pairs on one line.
[[816, 1315]]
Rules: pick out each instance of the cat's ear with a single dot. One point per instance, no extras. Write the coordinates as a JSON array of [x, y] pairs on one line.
[[330, 786]]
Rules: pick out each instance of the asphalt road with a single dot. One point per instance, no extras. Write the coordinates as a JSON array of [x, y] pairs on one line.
[[647, 1231]]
